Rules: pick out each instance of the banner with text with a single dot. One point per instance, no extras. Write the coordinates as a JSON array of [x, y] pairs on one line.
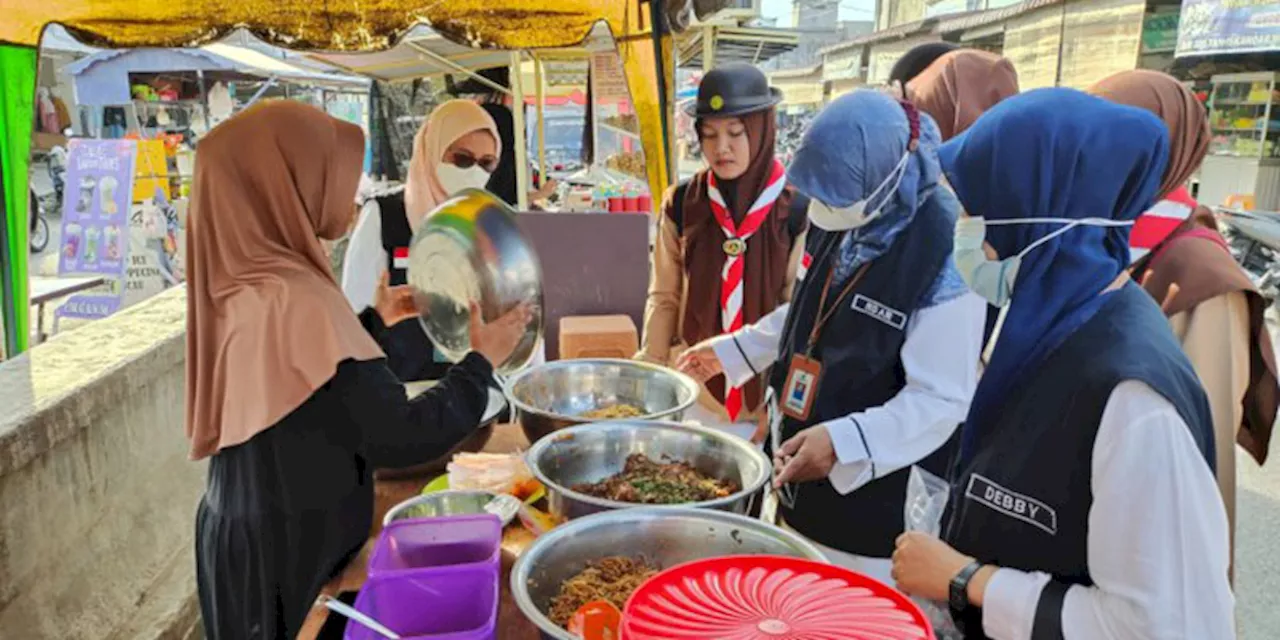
[[95, 221], [1228, 26]]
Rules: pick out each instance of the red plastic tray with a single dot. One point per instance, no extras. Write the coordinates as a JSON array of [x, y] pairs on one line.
[[769, 598]]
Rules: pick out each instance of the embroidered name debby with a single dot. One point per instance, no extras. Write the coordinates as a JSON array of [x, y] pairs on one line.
[[880, 311], [1012, 503]]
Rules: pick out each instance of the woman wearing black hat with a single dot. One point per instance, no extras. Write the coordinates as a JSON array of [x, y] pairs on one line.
[[729, 239]]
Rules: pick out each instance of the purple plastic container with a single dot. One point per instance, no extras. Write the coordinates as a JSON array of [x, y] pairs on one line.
[[446, 603], [438, 542]]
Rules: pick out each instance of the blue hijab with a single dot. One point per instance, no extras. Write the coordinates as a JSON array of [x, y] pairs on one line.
[[1052, 153], [850, 148]]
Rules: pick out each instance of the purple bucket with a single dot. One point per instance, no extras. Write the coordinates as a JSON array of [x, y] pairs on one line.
[[438, 542], [447, 603]]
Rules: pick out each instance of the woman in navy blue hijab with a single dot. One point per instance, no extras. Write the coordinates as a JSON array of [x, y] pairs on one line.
[[1084, 503]]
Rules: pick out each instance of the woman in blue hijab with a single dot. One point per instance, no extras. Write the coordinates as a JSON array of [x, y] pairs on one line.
[[1084, 503], [875, 359]]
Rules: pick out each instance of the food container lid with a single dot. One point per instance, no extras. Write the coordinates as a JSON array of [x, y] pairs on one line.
[[769, 598]]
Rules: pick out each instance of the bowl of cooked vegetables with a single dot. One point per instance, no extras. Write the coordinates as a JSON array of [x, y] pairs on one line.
[[629, 463], [608, 556], [563, 393]]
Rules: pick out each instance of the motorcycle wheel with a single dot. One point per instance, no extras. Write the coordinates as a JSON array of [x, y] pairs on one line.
[[39, 239]]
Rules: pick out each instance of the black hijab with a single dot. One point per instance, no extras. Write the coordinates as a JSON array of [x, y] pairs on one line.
[[917, 59]]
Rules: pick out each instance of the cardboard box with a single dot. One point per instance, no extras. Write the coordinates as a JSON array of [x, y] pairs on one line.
[[598, 337]]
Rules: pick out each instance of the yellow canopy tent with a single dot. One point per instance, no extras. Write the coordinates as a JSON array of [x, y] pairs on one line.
[[335, 26]]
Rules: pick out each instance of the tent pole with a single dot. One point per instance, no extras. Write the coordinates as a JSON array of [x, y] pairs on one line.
[[540, 80], [517, 112]]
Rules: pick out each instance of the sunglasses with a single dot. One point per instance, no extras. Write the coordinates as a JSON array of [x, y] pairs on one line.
[[464, 160]]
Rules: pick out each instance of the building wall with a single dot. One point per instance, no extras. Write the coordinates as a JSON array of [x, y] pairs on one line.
[[1031, 43], [883, 55], [1101, 37]]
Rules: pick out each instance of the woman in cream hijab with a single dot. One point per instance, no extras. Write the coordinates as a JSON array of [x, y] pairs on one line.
[[457, 148], [288, 397]]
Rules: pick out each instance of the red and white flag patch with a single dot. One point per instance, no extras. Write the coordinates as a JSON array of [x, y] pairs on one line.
[[400, 258], [805, 263]]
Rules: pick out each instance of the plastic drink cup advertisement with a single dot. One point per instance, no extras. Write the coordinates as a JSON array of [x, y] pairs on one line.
[[95, 222]]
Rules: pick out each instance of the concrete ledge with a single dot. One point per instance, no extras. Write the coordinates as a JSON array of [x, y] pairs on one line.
[[97, 496]]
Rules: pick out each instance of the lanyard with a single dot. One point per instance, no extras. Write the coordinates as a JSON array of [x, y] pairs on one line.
[[825, 314]]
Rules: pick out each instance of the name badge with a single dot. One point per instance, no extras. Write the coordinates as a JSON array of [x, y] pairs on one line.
[[801, 387], [400, 258], [880, 311], [1013, 504]]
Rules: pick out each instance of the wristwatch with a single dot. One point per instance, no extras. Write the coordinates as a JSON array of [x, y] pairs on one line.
[[958, 597]]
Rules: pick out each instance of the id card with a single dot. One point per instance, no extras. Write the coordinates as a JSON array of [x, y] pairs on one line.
[[801, 388]]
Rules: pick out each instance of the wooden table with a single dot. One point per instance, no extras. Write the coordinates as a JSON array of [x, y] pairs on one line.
[[44, 290], [512, 625]]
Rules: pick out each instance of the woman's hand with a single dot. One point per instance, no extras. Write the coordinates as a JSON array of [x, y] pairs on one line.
[[924, 566], [700, 362], [498, 339], [393, 304], [808, 456]]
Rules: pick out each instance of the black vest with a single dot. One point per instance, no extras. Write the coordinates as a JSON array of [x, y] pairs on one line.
[[859, 348], [1023, 500], [410, 354]]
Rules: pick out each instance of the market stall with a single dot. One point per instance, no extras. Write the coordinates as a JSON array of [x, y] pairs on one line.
[[645, 52]]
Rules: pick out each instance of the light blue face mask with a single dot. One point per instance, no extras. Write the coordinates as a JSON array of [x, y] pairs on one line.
[[993, 279]]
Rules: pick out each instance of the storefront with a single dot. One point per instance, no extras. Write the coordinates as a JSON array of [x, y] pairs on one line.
[[801, 88], [891, 44], [842, 69]]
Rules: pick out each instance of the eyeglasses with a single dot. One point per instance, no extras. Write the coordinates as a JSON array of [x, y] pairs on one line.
[[464, 160]]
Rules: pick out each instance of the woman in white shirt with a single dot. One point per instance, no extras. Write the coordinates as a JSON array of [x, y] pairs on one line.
[[1084, 504], [457, 148]]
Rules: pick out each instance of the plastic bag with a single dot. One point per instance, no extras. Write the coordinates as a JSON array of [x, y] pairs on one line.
[[927, 496]]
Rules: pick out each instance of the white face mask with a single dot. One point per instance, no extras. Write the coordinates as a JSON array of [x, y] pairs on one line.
[[993, 279], [455, 179], [856, 215]]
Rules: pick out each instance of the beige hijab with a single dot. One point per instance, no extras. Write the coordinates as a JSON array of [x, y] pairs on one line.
[[449, 122], [960, 86], [267, 324]]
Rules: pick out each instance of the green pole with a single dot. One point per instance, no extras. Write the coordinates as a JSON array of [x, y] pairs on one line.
[[17, 89]]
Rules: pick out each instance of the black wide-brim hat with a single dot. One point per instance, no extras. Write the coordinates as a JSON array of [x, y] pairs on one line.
[[733, 89]]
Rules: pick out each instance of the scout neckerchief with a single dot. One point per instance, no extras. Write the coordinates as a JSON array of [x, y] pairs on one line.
[[735, 244]]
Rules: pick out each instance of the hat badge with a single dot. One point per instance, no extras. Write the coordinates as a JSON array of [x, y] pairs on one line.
[[717, 103]]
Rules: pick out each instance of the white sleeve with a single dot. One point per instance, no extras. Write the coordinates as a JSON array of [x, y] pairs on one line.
[[1157, 545], [940, 357], [365, 260], [753, 348]]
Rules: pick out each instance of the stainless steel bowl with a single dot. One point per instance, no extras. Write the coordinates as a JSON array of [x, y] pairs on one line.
[[554, 395], [440, 503], [467, 250], [664, 537], [590, 453]]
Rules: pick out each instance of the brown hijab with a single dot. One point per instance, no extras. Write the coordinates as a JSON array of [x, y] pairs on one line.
[[267, 324], [960, 86], [767, 255], [1194, 257]]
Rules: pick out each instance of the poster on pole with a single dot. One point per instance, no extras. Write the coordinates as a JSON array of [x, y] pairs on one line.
[[1228, 26], [95, 221]]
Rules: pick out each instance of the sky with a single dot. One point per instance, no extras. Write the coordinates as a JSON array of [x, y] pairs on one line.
[[849, 10]]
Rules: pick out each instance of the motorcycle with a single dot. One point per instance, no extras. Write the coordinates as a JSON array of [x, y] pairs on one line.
[[43, 207], [1254, 240]]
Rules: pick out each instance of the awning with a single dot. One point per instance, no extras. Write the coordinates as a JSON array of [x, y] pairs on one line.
[[753, 45]]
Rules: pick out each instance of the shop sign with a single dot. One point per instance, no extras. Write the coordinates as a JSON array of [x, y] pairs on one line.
[[1228, 26], [843, 66], [95, 221], [1160, 32], [608, 82]]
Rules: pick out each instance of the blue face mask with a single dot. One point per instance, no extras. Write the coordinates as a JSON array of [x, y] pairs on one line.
[[993, 279]]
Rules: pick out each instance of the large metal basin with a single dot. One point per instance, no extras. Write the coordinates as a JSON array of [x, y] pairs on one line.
[[453, 502], [665, 537], [470, 250], [554, 395], [590, 453]]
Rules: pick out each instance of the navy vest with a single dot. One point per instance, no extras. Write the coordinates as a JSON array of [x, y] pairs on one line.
[[410, 354], [859, 348], [1023, 500]]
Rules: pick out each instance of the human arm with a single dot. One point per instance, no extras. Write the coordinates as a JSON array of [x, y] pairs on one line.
[[940, 358], [365, 259], [751, 349], [1157, 542], [399, 432], [793, 267], [666, 287]]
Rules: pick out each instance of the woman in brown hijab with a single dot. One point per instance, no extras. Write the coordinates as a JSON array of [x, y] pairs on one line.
[[960, 86], [730, 239], [1214, 309], [288, 397]]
